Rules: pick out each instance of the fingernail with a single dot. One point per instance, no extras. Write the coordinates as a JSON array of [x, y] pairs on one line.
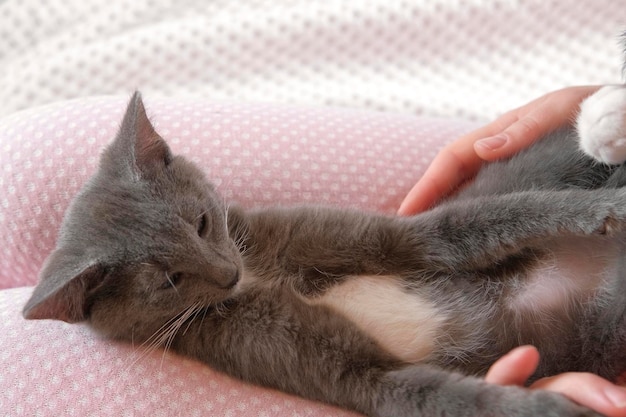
[[616, 395], [492, 143]]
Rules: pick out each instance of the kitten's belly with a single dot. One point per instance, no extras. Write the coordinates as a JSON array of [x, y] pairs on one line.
[[409, 324], [573, 271], [404, 323]]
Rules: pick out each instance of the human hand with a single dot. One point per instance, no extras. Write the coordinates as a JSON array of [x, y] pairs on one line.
[[586, 389], [508, 134]]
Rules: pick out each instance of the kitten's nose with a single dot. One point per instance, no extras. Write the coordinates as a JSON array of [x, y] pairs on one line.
[[234, 279]]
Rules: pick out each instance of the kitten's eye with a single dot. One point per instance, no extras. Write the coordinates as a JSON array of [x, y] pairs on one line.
[[172, 280], [202, 225]]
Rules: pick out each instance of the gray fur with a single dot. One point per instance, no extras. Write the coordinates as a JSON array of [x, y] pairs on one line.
[[148, 248]]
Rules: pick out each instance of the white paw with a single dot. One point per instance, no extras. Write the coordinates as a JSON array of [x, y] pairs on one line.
[[601, 125]]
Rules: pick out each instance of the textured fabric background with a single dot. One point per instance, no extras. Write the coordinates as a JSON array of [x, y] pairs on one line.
[[202, 65], [471, 58]]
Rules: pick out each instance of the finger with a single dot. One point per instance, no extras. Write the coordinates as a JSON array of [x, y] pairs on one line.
[[589, 390], [455, 164], [519, 135], [451, 167], [421, 197], [515, 367], [533, 121]]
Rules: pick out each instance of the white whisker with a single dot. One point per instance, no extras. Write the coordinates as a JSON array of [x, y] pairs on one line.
[[150, 344], [164, 336], [227, 207], [206, 310], [201, 214], [197, 310], [171, 282]]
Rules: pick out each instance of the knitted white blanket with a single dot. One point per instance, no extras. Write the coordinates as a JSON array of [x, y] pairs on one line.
[[473, 58]]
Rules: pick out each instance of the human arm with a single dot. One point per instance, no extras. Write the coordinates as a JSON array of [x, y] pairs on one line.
[[508, 134]]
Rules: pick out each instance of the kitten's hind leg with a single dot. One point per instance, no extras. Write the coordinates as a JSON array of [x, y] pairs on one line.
[[601, 125], [424, 391]]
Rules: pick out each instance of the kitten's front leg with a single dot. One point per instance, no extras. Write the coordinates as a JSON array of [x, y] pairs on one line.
[[475, 234], [322, 244], [601, 125]]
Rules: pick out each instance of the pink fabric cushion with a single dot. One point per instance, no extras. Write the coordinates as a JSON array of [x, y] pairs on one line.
[[257, 154]]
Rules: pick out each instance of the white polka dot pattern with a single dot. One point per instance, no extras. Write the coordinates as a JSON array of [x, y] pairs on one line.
[[435, 57], [257, 154]]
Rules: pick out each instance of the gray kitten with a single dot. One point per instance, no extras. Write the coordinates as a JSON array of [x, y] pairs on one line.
[[384, 315]]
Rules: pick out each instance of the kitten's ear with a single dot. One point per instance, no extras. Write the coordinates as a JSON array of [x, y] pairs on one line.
[[138, 146], [64, 288]]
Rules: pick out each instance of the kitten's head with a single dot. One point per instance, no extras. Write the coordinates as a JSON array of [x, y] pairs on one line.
[[143, 240]]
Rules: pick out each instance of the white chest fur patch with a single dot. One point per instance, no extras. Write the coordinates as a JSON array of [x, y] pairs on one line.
[[403, 323]]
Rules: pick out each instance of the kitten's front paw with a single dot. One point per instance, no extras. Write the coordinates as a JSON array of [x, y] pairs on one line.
[[601, 125]]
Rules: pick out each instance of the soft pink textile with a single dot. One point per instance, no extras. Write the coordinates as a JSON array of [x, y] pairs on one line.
[[257, 154]]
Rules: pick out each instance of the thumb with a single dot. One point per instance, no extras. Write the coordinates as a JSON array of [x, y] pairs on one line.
[[515, 367]]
